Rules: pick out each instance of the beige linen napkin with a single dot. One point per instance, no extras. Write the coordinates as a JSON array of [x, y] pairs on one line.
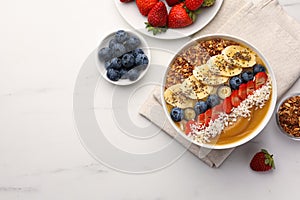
[[264, 24]]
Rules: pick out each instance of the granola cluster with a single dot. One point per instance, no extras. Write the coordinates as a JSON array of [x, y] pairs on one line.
[[289, 116]]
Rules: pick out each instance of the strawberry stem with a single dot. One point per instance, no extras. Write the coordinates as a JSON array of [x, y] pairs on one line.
[[156, 30]]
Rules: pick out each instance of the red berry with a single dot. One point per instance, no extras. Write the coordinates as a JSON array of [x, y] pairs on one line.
[[188, 128], [158, 15], [235, 100], [260, 79], [178, 17], [227, 106], [193, 5], [145, 6], [262, 161], [201, 118], [250, 87], [208, 115], [242, 91]]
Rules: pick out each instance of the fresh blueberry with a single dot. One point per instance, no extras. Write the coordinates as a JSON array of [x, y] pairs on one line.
[[212, 100], [105, 54], [113, 74], [258, 68], [123, 73], [133, 74], [177, 114], [141, 59], [127, 60], [118, 50], [137, 51], [247, 76], [116, 63], [200, 107], [121, 36], [107, 64], [132, 43], [112, 42], [235, 82]]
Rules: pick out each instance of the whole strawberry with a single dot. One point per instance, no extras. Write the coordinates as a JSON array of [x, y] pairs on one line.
[[193, 5], [178, 17], [145, 6], [157, 18], [262, 161]]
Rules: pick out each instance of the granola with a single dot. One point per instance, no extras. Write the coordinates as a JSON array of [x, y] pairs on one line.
[[289, 116]]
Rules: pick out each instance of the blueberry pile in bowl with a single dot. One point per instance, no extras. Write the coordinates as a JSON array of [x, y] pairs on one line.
[[123, 57]]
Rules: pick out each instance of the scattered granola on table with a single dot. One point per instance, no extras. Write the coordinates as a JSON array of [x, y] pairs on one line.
[[289, 116]]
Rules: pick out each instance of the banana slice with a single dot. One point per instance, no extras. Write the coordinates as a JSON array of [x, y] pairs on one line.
[[239, 56], [207, 77], [194, 89], [175, 97], [220, 66]]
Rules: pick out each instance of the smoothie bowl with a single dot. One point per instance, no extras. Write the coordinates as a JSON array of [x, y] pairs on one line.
[[219, 91]]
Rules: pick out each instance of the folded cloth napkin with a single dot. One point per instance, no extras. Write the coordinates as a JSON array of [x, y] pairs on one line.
[[264, 24]]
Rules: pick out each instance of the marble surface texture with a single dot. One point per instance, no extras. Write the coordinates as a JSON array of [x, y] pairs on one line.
[[43, 47]]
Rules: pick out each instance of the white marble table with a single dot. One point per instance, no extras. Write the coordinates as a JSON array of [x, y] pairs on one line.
[[43, 45]]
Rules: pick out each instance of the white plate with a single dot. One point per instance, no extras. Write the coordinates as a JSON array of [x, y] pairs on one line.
[[131, 14], [105, 42]]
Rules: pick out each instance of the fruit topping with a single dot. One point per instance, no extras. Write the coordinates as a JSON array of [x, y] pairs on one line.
[[227, 106], [200, 107], [235, 100], [235, 82], [250, 87], [258, 68], [262, 161], [208, 115], [239, 56], [212, 100], [189, 113], [247, 76], [224, 91], [260, 79], [242, 91], [177, 114], [188, 126]]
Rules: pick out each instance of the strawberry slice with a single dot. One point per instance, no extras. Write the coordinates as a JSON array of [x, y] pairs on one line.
[[188, 125], [250, 87], [227, 106], [235, 100], [208, 115], [260, 79], [242, 92], [216, 111], [201, 118]]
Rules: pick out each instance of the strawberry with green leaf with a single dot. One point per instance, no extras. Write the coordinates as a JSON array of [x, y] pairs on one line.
[[157, 18], [262, 161], [179, 17]]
